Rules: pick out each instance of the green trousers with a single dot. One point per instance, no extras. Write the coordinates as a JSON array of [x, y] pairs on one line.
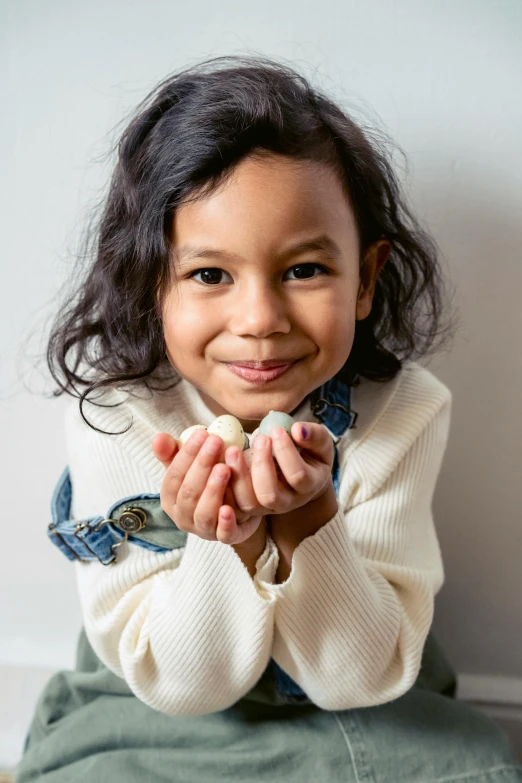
[[89, 726]]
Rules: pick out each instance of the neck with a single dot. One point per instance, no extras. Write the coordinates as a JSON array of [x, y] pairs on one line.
[[249, 425]]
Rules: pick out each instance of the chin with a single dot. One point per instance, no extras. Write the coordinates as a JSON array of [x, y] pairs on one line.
[[285, 403]]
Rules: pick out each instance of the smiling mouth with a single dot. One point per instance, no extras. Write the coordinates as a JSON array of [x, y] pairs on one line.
[[259, 375], [263, 365]]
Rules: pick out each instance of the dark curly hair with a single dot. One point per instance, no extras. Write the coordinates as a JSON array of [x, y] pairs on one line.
[[184, 141]]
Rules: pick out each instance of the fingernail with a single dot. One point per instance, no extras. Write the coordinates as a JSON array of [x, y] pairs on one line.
[[305, 432], [198, 437], [217, 477], [276, 432], [212, 446]]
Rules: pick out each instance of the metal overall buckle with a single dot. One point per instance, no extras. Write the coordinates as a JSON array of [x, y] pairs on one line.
[[317, 404], [131, 521]]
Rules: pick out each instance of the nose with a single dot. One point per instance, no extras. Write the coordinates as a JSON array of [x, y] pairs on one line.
[[258, 310]]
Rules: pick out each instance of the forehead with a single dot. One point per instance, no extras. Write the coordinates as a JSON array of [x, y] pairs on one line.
[[272, 202]]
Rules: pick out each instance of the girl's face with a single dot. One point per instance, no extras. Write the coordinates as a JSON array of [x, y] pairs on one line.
[[245, 292]]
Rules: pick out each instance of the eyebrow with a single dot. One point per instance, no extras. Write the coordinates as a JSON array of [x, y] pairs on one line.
[[323, 244]]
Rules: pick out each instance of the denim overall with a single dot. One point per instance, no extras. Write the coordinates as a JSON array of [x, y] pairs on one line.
[[89, 726]]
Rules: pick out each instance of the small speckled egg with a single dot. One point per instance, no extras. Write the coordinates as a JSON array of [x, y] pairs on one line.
[[230, 430], [185, 435], [276, 419]]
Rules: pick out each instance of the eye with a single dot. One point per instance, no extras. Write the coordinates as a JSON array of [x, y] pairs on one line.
[[211, 275], [303, 271]]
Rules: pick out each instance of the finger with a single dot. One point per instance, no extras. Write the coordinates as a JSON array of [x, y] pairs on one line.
[[264, 477], [177, 470], [230, 500], [207, 509], [241, 481], [164, 447], [229, 532], [197, 476], [295, 470], [227, 529], [315, 439], [247, 456]]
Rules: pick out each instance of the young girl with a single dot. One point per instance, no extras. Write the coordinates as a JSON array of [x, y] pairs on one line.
[[257, 615]]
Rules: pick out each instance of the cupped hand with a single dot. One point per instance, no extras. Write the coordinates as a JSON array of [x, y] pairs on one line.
[[195, 491], [262, 486]]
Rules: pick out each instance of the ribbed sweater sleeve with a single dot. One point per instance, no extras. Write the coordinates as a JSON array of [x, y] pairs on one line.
[[352, 618], [189, 630]]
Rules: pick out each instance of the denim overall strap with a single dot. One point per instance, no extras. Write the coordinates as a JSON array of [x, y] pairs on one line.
[[332, 408], [87, 539], [138, 518]]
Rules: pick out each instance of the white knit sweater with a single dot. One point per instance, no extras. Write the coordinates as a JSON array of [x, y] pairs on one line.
[[190, 630]]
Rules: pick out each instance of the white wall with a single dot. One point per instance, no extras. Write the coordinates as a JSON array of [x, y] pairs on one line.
[[444, 78]]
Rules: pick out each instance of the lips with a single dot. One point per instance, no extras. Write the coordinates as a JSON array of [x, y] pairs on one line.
[[262, 365], [259, 375]]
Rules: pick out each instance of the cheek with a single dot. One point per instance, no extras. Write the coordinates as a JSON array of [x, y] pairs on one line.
[[337, 339], [185, 327], [333, 318]]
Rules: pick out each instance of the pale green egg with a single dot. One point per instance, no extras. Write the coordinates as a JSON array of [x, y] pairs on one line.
[[276, 419]]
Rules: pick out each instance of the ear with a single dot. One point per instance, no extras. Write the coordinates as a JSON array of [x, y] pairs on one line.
[[374, 259]]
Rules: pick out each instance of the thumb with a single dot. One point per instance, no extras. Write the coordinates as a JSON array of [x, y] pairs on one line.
[[164, 447], [315, 438]]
